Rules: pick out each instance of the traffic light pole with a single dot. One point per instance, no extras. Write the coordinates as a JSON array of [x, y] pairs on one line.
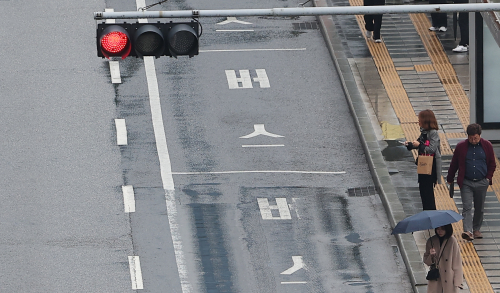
[[303, 11]]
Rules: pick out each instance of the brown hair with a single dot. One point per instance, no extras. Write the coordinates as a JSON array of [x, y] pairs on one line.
[[474, 129], [428, 120]]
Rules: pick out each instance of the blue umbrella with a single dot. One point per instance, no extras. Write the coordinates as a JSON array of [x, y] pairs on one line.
[[426, 220]]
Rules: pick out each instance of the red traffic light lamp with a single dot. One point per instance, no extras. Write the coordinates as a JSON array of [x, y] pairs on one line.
[[144, 39], [114, 41]]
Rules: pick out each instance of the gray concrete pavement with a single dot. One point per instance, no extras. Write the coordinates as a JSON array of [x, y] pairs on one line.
[[392, 166]]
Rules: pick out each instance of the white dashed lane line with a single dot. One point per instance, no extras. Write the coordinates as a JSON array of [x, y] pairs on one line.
[[128, 198], [121, 132], [114, 69], [135, 272]]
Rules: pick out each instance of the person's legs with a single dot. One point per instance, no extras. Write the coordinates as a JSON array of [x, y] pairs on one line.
[[442, 20], [369, 26], [463, 22], [377, 24], [426, 187], [480, 189], [466, 193], [435, 20]]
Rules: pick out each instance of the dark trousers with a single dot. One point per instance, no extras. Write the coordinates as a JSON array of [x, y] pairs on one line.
[[438, 19], [373, 23], [426, 187], [463, 23]]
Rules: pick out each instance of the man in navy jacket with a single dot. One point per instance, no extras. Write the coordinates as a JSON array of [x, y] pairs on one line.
[[475, 161]]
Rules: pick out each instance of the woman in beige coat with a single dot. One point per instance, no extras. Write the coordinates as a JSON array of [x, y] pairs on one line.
[[443, 247]]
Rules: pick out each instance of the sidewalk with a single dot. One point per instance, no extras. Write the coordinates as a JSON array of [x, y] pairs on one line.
[[387, 85]]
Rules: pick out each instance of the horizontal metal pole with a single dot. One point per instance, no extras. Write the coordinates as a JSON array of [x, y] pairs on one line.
[[302, 11]]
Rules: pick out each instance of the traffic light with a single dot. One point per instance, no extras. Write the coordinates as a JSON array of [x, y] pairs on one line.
[[147, 39]]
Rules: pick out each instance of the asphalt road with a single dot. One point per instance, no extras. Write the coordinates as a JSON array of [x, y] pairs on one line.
[[235, 189]]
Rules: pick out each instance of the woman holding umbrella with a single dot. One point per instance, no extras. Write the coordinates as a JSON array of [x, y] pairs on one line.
[[442, 251]]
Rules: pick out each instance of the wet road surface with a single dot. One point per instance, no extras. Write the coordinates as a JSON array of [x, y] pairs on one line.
[[271, 193]]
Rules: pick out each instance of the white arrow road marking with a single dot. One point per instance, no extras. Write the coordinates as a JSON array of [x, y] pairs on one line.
[[121, 132], [233, 19], [281, 206], [135, 272], [297, 265], [259, 129], [128, 198]]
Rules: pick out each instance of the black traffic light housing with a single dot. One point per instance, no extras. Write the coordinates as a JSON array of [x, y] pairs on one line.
[[147, 39]]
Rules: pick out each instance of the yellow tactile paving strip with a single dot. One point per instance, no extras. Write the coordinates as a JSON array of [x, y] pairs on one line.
[[443, 67], [475, 275], [424, 67], [450, 82]]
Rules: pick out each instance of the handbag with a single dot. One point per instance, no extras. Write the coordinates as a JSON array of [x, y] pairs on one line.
[[433, 273], [424, 164]]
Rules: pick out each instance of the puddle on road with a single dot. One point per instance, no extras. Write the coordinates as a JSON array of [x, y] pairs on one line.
[[354, 238], [395, 151]]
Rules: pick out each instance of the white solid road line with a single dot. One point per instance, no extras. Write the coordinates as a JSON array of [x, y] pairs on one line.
[[291, 283], [165, 166], [114, 69], [166, 171], [262, 171], [234, 30], [121, 132], [128, 198], [250, 50], [262, 145], [135, 272]]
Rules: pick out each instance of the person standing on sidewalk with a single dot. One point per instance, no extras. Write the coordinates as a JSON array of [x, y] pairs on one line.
[[442, 250], [439, 20], [428, 143], [373, 22], [463, 23], [474, 159]]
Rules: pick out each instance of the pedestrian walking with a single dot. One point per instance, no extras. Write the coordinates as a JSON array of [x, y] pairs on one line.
[[373, 22], [474, 159], [443, 253], [463, 24], [439, 20], [428, 143]]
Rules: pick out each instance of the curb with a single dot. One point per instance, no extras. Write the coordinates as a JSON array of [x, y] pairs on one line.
[[376, 163]]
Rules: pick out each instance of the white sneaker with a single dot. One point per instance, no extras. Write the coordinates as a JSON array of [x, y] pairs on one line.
[[443, 29], [368, 34], [433, 29], [378, 41], [461, 48]]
